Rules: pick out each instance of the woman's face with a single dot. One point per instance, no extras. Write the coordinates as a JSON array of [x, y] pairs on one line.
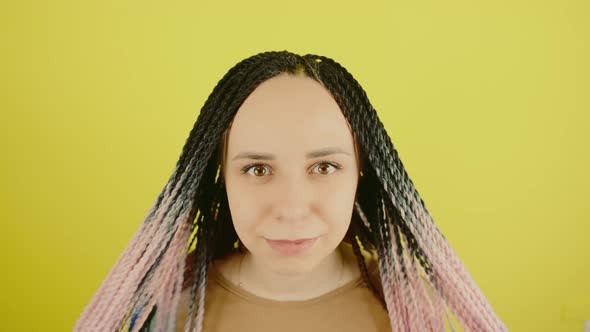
[[291, 172]]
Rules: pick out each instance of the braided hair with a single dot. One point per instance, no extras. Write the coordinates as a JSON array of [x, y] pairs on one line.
[[189, 225]]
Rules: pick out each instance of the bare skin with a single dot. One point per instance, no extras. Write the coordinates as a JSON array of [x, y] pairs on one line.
[[229, 267]]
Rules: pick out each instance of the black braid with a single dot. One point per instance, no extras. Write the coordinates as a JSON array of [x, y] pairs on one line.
[[365, 273]]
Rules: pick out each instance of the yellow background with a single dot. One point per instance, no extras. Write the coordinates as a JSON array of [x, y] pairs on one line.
[[486, 102]]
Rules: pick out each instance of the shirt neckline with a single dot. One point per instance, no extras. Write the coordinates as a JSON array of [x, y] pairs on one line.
[[222, 281]]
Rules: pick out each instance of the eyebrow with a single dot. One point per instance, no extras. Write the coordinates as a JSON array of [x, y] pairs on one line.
[[312, 154]]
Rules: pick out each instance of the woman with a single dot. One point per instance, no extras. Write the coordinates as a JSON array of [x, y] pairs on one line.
[[297, 205]]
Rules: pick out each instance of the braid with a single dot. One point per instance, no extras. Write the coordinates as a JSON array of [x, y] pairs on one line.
[[365, 273], [142, 290]]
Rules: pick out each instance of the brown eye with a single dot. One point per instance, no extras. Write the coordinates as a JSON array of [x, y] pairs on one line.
[[259, 170], [324, 167]]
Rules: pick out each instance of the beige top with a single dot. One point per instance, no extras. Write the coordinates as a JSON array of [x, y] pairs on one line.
[[350, 307]]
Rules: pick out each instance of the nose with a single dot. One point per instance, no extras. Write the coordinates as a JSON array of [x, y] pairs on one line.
[[293, 200]]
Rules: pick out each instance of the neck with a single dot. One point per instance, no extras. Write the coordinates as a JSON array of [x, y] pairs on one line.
[[261, 281]]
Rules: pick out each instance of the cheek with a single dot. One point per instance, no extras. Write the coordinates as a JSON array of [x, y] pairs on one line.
[[336, 210], [338, 197], [244, 209]]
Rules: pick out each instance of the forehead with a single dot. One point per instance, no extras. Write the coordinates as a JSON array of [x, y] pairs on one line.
[[286, 111]]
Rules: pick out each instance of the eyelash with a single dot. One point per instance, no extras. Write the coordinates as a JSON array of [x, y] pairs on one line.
[[247, 168]]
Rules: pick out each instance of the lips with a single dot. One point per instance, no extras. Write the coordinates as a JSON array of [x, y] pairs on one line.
[[292, 247], [290, 241]]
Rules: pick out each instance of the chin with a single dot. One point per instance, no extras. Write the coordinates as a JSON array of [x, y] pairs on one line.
[[295, 264]]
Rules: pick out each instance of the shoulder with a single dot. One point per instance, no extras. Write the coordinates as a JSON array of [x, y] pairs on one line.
[[182, 310], [184, 301], [185, 293], [372, 262], [430, 291]]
